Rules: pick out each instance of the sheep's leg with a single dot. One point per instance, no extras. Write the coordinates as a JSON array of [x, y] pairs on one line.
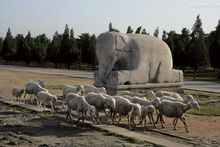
[[175, 120], [119, 118], [24, 96], [106, 114], [97, 115], [141, 120], [158, 116], [113, 118], [79, 116], [183, 120], [52, 107], [68, 114], [152, 118], [132, 120], [161, 121], [38, 105], [129, 121], [82, 119], [149, 118]]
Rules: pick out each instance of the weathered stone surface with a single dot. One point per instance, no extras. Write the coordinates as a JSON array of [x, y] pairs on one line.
[[130, 59]]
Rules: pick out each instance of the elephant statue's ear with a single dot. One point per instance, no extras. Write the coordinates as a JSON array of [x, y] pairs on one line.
[[120, 41]]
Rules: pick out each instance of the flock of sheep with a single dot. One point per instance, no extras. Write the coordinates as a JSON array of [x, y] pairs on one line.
[[88, 101]]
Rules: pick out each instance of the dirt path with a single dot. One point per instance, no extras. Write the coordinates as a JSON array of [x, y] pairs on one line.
[[203, 129], [22, 128]]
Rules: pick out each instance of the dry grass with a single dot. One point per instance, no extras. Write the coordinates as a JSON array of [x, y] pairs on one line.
[[10, 79]]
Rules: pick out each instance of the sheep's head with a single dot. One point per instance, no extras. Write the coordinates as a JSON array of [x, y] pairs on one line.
[[150, 94], [111, 103], [103, 90], [55, 99], [22, 91], [80, 90], [137, 110], [159, 94], [190, 98], [156, 102], [195, 105], [150, 108], [91, 111]]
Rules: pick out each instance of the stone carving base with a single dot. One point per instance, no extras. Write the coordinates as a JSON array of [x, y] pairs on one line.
[[141, 87]]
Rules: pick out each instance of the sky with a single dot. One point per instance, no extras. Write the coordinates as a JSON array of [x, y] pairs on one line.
[[94, 16]]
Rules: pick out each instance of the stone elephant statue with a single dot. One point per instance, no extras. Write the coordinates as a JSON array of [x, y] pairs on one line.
[[133, 59]]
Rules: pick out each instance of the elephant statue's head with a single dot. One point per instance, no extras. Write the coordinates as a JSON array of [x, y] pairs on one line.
[[107, 50]]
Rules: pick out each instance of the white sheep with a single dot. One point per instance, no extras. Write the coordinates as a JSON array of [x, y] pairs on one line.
[[149, 94], [72, 89], [147, 111], [161, 93], [79, 103], [186, 99], [46, 98], [17, 93], [91, 88], [176, 110], [101, 102], [125, 108], [40, 82], [155, 101], [33, 88]]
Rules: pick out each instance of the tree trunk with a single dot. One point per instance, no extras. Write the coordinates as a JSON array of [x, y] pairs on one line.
[[195, 70]]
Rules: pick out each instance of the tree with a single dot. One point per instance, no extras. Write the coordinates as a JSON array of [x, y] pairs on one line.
[[53, 51], [111, 29], [1, 42], [22, 49], [129, 30], [144, 32], [138, 31], [92, 46], [214, 47], [40, 48], [185, 39], [74, 48], [84, 44], [8, 47], [164, 35], [67, 47], [198, 52], [156, 32]]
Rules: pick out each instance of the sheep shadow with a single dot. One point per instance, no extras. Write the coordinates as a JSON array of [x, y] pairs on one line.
[[48, 126]]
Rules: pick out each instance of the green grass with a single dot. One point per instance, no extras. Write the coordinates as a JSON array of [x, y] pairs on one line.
[[60, 87], [209, 110], [209, 103]]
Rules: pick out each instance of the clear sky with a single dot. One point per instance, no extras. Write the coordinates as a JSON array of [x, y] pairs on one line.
[[93, 16]]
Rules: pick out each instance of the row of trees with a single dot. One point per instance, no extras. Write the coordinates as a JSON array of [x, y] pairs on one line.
[[193, 49], [190, 49], [63, 48]]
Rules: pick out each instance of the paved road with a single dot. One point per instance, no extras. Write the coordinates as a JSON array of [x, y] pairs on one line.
[[73, 73], [203, 86], [196, 85]]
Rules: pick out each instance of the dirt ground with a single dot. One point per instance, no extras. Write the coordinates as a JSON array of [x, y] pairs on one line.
[[19, 127]]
